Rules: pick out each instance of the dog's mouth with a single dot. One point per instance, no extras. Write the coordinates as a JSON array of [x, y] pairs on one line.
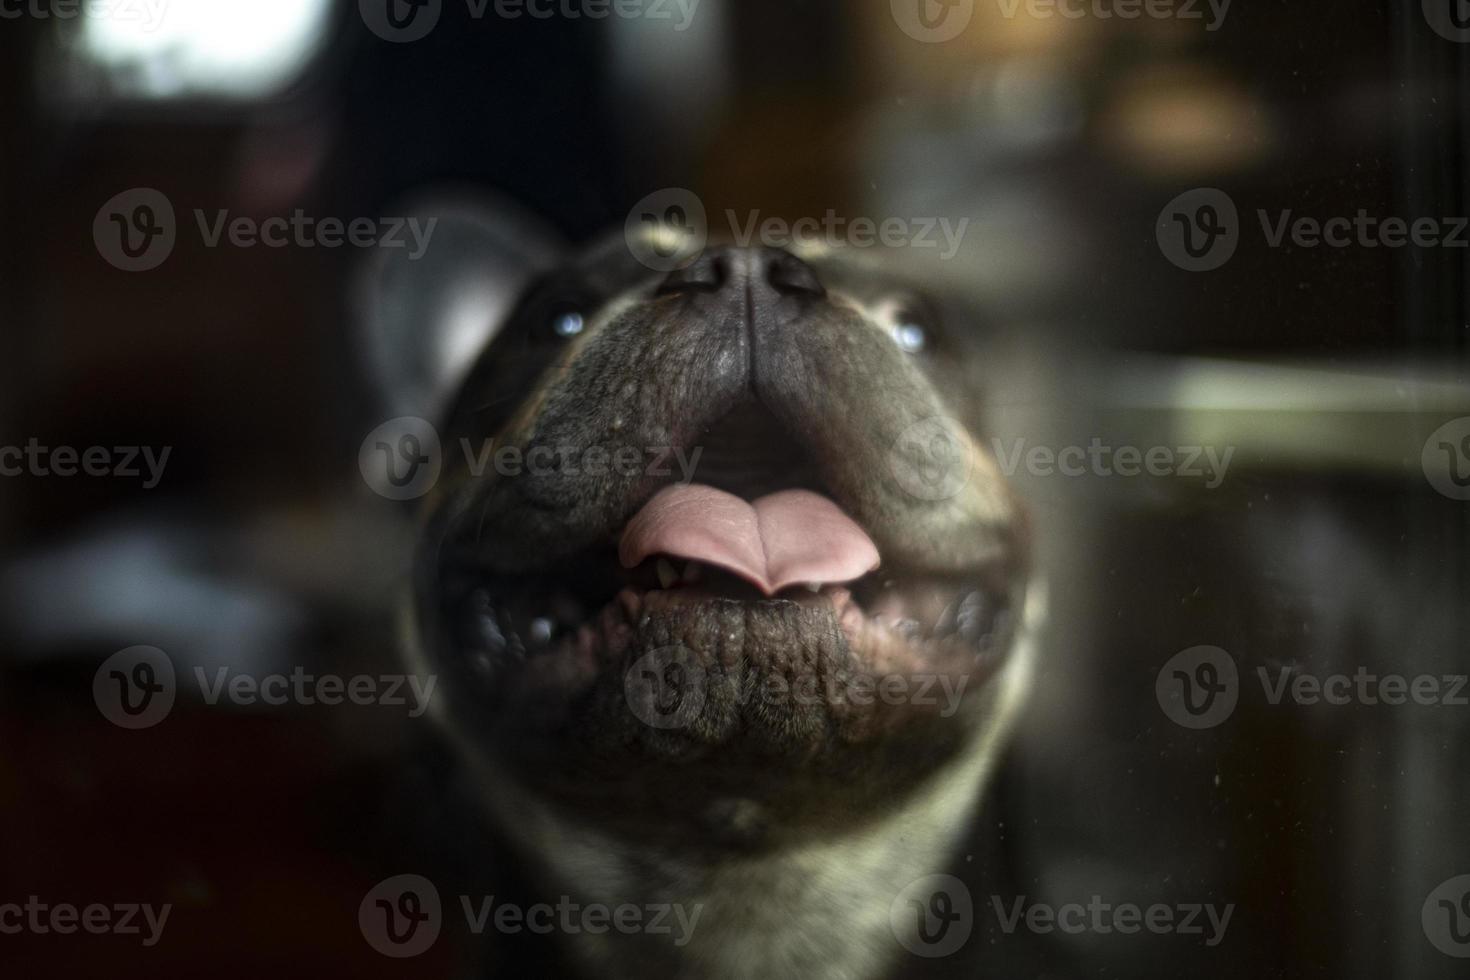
[[745, 576]]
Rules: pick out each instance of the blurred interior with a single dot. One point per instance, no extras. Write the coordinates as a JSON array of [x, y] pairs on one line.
[[1060, 139]]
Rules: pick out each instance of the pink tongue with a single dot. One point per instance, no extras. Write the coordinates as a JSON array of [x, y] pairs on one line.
[[787, 538]]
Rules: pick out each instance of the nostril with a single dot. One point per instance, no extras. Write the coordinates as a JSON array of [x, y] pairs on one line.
[[705, 274], [721, 265], [791, 276]]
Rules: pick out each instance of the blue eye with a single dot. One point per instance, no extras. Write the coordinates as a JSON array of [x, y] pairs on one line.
[[910, 337], [568, 325]]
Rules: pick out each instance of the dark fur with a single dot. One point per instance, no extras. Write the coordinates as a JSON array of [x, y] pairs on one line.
[[665, 362]]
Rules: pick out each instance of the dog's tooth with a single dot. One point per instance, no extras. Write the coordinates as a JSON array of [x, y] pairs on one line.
[[541, 631], [510, 645], [482, 629], [692, 573], [971, 617], [854, 623], [667, 576], [946, 622], [631, 603], [488, 636], [813, 587]]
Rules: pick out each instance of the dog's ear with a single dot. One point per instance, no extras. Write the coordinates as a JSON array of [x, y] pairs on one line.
[[426, 308]]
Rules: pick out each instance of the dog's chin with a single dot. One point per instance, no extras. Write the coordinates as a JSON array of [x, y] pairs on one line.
[[588, 680]]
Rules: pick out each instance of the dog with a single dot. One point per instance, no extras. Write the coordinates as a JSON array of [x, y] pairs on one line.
[[729, 606]]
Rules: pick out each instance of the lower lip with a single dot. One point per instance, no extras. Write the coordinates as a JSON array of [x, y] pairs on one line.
[[937, 628]]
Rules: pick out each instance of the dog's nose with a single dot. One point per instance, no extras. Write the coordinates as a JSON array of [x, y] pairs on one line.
[[790, 276], [706, 274], [730, 268]]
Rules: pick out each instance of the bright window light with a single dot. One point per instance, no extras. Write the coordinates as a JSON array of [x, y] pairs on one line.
[[172, 48]]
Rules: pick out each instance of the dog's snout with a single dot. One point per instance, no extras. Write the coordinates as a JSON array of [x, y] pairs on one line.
[[739, 269], [790, 276], [707, 273]]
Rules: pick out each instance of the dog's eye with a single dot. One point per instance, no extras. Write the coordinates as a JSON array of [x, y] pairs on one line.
[[911, 336], [560, 311], [566, 324], [913, 323], [562, 316]]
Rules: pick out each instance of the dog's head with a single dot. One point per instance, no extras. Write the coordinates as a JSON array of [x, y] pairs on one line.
[[720, 545]]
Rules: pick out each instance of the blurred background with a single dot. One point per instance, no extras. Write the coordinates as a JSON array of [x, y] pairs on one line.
[[1335, 374]]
